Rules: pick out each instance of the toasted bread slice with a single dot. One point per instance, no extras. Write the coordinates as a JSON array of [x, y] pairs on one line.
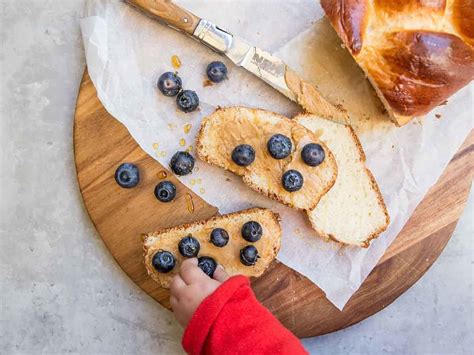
[[228, 127], [353, 212], [229, 255]]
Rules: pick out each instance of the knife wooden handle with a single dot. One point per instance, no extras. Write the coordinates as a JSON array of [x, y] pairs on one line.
[[169, 13]]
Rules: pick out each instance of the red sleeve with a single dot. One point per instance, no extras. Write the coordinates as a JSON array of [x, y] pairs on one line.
[[232, 321]]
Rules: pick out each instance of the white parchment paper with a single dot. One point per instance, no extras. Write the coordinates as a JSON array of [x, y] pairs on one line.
[[126, 52]]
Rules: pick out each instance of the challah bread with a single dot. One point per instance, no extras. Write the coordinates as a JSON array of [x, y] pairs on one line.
[[228, 255], [228, 128], [415, 53], [353, 212]]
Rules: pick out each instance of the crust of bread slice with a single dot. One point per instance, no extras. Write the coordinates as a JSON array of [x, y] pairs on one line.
[[228, 127], [353, 212], [229, 255]]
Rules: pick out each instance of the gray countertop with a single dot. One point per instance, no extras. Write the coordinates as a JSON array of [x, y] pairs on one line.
[[61, 290]]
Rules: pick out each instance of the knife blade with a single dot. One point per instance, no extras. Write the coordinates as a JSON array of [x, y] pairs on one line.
[[262, 64]]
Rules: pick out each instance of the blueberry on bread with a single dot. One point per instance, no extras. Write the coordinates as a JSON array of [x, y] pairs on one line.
[[163, 261], [207, 265]]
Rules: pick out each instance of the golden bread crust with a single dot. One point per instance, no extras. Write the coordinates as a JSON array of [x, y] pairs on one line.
[[415, 53]]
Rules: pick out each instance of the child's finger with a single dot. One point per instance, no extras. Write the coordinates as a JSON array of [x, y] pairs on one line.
[[174, 302], [177, 286], [220, 274], [189, 271]]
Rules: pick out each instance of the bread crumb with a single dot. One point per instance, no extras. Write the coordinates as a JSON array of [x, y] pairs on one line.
[[443, 103], [207, 83], [438, 116]]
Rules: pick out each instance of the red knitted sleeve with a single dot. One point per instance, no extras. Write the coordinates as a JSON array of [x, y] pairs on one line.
[[232, 321]]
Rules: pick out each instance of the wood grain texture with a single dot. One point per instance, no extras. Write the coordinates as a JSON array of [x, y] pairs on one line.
[[169, 13], [101, 143]]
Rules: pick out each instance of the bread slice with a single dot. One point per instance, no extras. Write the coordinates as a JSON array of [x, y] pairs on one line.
[[228, 127], [229, 255], [353, 212]]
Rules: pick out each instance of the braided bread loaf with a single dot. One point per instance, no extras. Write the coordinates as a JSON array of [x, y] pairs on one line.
[[416, 53]]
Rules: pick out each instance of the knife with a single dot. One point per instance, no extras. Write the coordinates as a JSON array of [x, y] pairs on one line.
[[260, 63]]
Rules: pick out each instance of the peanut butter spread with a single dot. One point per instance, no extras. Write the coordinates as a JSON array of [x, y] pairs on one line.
[[229, 255], [255, 127], [311, 100]]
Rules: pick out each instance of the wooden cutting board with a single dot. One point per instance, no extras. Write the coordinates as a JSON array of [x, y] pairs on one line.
[[101, 143]]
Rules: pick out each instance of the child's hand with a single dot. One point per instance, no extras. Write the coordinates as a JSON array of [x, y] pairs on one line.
[[190, 287]]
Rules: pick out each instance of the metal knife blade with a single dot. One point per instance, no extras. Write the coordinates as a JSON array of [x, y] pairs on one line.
[[260, 63], [269, 68]]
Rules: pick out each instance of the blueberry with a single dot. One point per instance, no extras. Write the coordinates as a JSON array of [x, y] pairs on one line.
[[189, 247], [249, 255], [169, 84], [243, 155], [182, 163], [187, 101], [252, 231], [216, 72], [219, 237], [313, 154], [292, 180], [279, 146], [207, 265], [165, 191], [127, 175], [163, 261]]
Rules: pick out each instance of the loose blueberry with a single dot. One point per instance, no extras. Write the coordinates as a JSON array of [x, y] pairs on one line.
[[207, 265], [169, 84], [187, 101], [219, 237], [243, 155], [279, 146], [165, 191], [189, 247], [182, 163], [292, 180], [127, 175], [252, 231], [216, 72], [313, 154], [249, 255], [163, 261]]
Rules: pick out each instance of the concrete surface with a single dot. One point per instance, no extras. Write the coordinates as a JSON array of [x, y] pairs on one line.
[[61, 291]]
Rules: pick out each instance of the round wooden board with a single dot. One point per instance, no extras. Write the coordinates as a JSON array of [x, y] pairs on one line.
[[101, 143]]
